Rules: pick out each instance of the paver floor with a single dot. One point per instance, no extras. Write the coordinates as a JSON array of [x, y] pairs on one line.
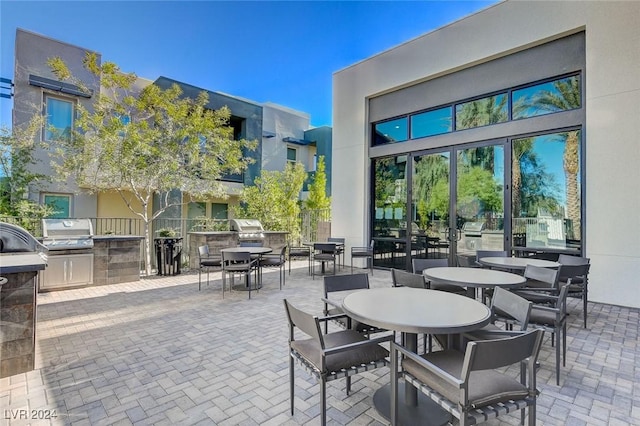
[[160, 352]]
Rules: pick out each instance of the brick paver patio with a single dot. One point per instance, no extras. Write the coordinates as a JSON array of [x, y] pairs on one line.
[[160, 352]]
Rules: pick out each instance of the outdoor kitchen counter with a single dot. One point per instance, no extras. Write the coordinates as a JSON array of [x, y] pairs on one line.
[[116, 259]]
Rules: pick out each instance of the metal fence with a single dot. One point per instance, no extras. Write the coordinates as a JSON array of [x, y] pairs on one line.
[[308, 220]]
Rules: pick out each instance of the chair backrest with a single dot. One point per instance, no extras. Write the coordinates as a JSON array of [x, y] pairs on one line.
[[250, 244], [236, 257], [571, 272], [510, 303], [420, 265], [407, 279], [492, 354], [491, 253], [546, 276], [336, 240], [203, 251], [466, 261], [324, 248], [567, 259], [334, 283], [304, 321]]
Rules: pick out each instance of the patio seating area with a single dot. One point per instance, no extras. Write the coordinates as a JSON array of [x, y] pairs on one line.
[[159, 351]]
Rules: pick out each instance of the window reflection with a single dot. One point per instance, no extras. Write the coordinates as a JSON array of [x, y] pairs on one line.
[[391, 131], [431, 123], [546, 183], [559, 95], [482, 112]]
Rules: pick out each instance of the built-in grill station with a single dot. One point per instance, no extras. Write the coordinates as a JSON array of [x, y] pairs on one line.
[[70, 244], [249, 230], [22, 258]]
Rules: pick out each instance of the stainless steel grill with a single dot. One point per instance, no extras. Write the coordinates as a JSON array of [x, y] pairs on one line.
[[70, 244], [67, 234], [249, 230]]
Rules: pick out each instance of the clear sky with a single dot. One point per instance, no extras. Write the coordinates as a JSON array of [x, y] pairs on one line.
[[266, 51]]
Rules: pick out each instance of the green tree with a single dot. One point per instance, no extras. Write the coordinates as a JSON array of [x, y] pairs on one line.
[[142, 143], [273, 200], [17, 163], [318, 188]]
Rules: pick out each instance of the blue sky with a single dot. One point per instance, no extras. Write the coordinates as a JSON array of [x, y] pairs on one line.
[[267, 51]]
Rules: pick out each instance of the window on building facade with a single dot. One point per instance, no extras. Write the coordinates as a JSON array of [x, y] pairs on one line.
[[431, 123], [553, 96], [59, 118], [61, 204], [482, 112], [546, 188], [219, 211], [391, 131], [292, 155]]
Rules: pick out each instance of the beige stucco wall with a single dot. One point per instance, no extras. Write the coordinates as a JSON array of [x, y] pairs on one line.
[[612, 87]]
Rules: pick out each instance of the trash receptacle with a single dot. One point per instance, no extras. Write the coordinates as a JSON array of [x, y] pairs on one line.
[[168, 255], [472, 232]]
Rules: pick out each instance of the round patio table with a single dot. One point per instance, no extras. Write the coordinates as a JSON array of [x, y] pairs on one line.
[[473, 278], [516, 263], [414, 311], [258, 251]]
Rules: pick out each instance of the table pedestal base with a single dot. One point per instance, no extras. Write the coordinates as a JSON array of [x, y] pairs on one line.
[[426, 412]]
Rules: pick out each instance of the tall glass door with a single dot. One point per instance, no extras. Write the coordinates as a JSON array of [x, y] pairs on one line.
[[479, 204]]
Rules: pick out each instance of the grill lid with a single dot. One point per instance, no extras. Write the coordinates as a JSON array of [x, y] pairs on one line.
[[14, 239], [60, 234], [476, 227], [246, 225]]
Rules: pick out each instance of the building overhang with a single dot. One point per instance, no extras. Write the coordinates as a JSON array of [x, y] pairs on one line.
[[298, 141], [59, 86]]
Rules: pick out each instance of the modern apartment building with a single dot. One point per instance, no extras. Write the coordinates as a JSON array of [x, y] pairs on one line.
[[514, 128], [283, 134]]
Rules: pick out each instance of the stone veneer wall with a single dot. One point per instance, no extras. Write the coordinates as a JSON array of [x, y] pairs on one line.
[[217, 240], [116, 259], [18, 313]]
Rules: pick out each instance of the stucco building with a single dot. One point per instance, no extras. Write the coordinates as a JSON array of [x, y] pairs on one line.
[[514, 128]]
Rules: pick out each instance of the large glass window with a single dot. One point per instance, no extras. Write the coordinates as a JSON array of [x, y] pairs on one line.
[[219, 211], [390, 211], [391, 131], [553, 96], [482, 112], [546, 191], [292, 155], [60, 203], [59, 118], [431, 123]]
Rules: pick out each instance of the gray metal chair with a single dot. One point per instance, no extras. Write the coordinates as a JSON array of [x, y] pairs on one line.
[[363, 252], [339, 247], [323, 253], [299, 252], [554, 320], [331, 356], [467, 384], [509, 308], [207, 260], [466, 261], [340, 283], [401, 278], [239, 263], [541, 285], [275, 261], [490, 253], [420, 265], [575, 272]]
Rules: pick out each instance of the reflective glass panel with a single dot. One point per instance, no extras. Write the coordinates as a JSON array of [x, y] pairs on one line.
[[390, 131], [546, 191], [59, 119], [390, 211], [431, 123], [61, 205], [559, 95], [482, 112]]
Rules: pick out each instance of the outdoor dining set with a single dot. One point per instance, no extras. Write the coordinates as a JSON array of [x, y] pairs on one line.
[[482, 325]]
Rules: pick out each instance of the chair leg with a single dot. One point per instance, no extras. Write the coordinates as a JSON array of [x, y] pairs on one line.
[[584, 304], [557, 338], [348, 380], [323, 402], [291, 382], [199, 279], [393, 414]]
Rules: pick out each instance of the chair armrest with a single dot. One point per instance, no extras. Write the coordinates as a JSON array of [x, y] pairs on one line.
[[354, 345], [427, 365], [331, 302], [332, 317], [492, 334]]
